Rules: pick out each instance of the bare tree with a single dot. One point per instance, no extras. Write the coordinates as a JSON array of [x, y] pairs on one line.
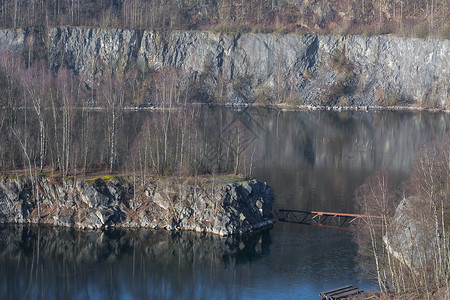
[[66, 86], [428, 189], [431, 181], [37, 83], [112, 97], [374, 198]]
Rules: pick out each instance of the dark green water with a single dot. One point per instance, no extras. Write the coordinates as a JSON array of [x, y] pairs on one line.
[[313, 160]]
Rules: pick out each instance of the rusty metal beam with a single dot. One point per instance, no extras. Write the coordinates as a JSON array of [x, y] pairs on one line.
[[320, 217]]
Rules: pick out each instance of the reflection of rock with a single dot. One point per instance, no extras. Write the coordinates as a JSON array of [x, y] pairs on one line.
[[224, 209], [412, 238], [114, 244]]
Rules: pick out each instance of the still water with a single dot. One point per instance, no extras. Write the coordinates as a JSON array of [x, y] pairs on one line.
[[312, 160]]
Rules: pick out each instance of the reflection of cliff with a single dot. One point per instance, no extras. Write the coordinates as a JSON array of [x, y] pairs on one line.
[[317, 159], [161, 247], [353, 140]]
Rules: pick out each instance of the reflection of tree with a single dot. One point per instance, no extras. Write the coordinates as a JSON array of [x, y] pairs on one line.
[[313, 156], [194, 141], [83, 247], [39, 257], [113, 97]]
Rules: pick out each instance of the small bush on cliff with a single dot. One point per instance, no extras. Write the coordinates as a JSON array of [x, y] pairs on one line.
[[346, 82], [341, 64], [422, 32], [241, 86], [446, 33], [308, 74], [344, 101], [345, 85], [389, 98], [294, 100], [262, 95]]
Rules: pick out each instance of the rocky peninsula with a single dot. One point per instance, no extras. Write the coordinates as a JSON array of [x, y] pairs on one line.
[[222, 206]]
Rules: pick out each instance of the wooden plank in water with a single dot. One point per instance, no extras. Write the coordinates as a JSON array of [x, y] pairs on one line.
[[331, 295], [333, 214], [341, 292], [347, 294], [325, 294], [338, 289], [329, 214]]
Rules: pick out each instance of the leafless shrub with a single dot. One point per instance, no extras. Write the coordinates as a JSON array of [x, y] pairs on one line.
[[429, 206]]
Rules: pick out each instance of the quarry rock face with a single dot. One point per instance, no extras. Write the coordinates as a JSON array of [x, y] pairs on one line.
[[306, 68], [303, 66]]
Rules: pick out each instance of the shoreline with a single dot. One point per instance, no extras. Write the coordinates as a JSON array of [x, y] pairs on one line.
[[367, 108], [282, 107]]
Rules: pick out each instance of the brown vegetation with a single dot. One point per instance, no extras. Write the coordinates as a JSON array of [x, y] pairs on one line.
[[346, 81], [420, 18]]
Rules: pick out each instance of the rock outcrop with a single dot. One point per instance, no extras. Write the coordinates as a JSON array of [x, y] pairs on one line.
[[309, 69], [223, 208], [411, 237], [12, 40]]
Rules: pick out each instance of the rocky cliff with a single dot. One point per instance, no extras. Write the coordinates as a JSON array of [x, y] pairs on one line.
[[412, 237], [307, 69], [224, 207]]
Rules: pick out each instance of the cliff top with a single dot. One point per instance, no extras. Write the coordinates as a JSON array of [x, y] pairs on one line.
[[420, 18]]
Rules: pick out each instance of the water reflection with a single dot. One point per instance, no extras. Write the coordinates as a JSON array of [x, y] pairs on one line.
[[62, 263], [316, 160]]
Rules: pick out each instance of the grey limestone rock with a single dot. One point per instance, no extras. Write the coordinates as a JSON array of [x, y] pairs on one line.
[[11, 39], [411, 237], [221, 208], [85, 50], [410, 69], [414, 69]]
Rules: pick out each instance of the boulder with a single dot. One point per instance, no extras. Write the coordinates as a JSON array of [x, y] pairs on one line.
[[411, 237]]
